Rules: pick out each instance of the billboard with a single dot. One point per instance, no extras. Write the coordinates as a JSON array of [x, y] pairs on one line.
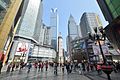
[[22, 48], [96, 50]]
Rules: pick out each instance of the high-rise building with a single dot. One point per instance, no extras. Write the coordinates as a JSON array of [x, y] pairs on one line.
[[72, 33], [111, 12], [29, 30], [60, 49], [54, 27], [31, 21], [88, 22], [72, 28], [47, 36], [10, 14]]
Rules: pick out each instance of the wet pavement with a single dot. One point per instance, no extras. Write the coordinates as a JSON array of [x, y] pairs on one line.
[[45, 75], [93, 75]]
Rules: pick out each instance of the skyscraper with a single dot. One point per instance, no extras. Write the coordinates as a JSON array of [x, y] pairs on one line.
[[29, 29], [88, 22], [30, 24], [72, 28], [72, 34], [47, 36], [54, 27]]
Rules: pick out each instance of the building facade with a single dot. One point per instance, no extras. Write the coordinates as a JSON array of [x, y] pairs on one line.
[[10, 13], [29, 27], [47, 36], [54, 27], [72, 34], [88, 22], [30, 35], [112, 7], [60, 49]]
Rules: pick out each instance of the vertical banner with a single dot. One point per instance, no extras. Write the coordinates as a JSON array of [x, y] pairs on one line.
[[105, 50], [96, 50]]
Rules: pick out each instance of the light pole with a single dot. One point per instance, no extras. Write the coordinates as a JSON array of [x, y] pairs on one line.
[[107, 69]]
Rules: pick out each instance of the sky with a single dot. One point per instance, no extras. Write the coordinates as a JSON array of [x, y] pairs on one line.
[[67, 7]]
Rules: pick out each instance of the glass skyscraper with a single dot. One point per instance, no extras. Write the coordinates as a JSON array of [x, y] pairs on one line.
[[54, 27], [72, 28], [89, 21], [28, 30], [72, 34], [30, 24]]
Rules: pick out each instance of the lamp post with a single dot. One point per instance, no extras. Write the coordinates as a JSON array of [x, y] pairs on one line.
[[107, 69]]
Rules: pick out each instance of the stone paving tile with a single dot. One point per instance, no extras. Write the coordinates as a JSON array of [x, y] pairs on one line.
[[103, 76], [35, 75]]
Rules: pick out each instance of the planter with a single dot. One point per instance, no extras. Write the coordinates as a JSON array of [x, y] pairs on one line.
[[107, 69]]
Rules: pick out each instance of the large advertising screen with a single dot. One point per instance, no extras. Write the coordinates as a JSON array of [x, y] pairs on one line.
[[22, 48]]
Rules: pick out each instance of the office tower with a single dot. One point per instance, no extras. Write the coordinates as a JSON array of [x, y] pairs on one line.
[[111, 12], [30, 25], [42, 34], [88, 22], [54, 27], [28, 31], [60, 49], [72, 33], [47, 36], [10, 13], [72, 28]]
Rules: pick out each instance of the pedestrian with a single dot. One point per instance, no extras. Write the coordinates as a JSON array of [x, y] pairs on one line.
[[29, 67], [42, 65], [83, 67], [63, 68], [21, 65], [71, 66], [88, 67], [17, 65], [0, 66], [13, 66], [35, 65], [9, 67], [39, 66], [1, 60], [80, 68], [68, 67], [46, 65], [99, 69], [91, 67], [55, 68]]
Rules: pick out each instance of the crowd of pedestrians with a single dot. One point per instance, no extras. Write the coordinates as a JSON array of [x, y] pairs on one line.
[[69, 66]]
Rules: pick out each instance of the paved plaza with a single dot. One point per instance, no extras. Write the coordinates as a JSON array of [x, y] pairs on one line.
[[45, 75]]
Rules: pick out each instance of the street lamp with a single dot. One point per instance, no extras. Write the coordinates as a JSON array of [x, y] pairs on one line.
[[107, 69]]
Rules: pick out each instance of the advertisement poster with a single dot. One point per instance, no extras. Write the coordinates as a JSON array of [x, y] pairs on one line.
[[22, 48], [96, 50]]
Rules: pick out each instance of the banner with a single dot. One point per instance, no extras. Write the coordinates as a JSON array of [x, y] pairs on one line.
[[105, 50], [22, 48], [96, 50]]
